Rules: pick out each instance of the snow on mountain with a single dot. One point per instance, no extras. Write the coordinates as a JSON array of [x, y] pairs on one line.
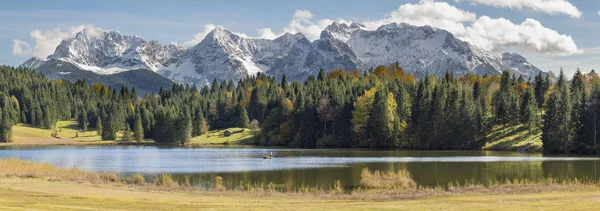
[[520, 65], [223, 55], [33, 63], [112, 52], [421, 50]]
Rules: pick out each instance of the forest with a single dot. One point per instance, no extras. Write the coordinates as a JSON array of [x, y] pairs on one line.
[[383, 107]]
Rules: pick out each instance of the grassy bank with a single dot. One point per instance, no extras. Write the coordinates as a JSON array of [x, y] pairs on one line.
[[68, 133], [513, 138], [27, 185], [501, 138], [216, 137]]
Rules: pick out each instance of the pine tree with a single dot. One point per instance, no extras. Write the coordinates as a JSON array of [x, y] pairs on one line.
[[505, 101], [5, 127], [83, 121], [138, 129], [557, 131], [529, 112], [99, 125], [198, 122], [588, 134], [127, 134], [284, 82], [244, 122], [185, 129], [380, 121], [541, 88], [111, 123]]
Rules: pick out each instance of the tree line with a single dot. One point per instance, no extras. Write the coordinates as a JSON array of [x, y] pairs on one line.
[[382, 107]]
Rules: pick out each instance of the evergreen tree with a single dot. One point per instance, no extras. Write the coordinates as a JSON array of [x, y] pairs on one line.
[[505, 101], [557, 131], [284, 82], [185, 128], [83, 121], [529, 110], [99, 125], [111, 123], [127, 134], [541, 88], [380, 121], [138, 130], [244, 122], [5, 127], [588, 134], [198, 123]]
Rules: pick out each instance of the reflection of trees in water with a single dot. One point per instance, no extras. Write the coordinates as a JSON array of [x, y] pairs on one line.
[[432, 174], [573, 169], [424, 173]]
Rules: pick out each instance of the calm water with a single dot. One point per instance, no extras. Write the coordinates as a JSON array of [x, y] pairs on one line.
[[311, 167]]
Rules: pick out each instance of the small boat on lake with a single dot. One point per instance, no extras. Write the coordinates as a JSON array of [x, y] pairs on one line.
[[268, 156]]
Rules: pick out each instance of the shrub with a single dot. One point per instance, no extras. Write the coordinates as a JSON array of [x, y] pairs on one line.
[[386, 180], [138, 179], [219, 183]]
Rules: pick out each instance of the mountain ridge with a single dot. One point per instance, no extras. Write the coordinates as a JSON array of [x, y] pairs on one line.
[[223, 55]]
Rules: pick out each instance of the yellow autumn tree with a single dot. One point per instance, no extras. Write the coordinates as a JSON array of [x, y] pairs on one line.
[[361, 113]]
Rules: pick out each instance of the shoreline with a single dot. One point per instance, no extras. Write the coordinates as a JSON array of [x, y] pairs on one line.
[[502, 138], [38, 185]]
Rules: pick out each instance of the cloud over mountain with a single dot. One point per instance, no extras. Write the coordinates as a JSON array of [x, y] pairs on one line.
[[45, 42], [546, 6], [492, 34]]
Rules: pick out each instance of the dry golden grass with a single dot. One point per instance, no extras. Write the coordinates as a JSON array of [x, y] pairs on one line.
[[138, 179], [61, 189], [26, 169], [386, 180], [374, 185]]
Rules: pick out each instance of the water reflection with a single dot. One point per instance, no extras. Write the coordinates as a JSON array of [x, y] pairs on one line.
[[308, 167]]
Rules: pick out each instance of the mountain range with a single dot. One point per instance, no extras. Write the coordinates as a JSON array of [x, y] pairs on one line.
[[116, 59]]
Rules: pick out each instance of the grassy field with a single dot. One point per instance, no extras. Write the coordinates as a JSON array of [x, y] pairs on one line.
[[68, 133], [35, 186], [37, 194], [216, 137], [513, 138]]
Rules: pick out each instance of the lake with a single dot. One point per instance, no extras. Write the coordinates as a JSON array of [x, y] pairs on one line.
[[307, 167]]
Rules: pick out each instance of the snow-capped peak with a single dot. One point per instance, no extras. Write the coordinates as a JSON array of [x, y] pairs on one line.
[[109, 52], [224, 55], [343, 31]]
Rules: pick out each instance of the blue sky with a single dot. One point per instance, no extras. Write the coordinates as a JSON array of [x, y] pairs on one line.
[[181, 21]]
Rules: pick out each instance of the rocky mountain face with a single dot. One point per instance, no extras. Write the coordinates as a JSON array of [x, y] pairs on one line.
[[223, 55]]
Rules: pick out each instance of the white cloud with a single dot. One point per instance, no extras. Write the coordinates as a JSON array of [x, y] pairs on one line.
[[267, 33], [302, 22], [545, 6], [436, 14], [488, 33], [21, 48], [531, 35], [598, 12], [198, 37], [45, 42]]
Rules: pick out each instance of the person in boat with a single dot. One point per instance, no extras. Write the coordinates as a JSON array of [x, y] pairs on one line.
[[268, 156]]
